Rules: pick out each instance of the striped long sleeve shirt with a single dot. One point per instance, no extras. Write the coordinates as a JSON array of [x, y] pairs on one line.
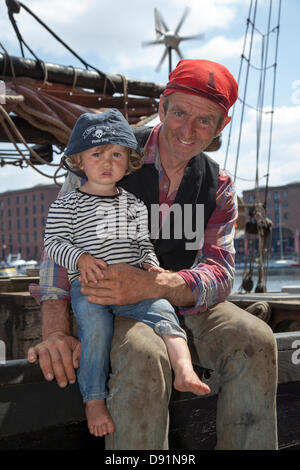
[[211, 276], [111, 228]]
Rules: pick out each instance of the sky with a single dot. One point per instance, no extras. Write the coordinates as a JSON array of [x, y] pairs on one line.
[[109, 36]]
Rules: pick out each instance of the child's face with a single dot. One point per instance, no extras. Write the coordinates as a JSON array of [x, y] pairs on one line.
[[105, 164]]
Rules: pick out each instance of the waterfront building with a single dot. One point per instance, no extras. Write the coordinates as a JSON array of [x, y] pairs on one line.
[[23, 215]]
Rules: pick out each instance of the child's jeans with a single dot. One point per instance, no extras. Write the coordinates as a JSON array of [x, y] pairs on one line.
[[95, 330]]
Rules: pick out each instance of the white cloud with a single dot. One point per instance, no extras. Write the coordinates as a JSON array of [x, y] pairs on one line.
[[58, 12], [213, 14], [218, 48], [112, 33]]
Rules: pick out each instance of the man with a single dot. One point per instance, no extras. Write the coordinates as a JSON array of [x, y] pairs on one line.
[[240, 347]]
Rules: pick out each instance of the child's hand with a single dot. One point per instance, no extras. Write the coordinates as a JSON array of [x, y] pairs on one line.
[[90, 268], [150, 267]]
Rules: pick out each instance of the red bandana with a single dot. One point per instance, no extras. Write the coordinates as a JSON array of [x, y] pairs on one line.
[[204, 78]]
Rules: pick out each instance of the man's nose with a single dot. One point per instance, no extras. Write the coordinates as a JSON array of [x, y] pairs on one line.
[[188, 128]]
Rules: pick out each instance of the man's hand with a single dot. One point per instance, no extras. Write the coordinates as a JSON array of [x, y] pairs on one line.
[[90, 268], [124, 284], [59, 356]]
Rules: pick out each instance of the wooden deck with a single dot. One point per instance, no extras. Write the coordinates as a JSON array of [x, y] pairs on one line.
[[285, 308]]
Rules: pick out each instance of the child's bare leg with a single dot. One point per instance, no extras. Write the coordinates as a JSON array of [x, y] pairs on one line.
[[98, 418], [186, 379]]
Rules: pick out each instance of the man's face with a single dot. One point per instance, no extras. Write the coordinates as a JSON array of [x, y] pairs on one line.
[[190, 123]]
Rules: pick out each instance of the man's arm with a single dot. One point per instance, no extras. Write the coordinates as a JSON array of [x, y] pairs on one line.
[[59, 352], [124, 284], [208, 282]]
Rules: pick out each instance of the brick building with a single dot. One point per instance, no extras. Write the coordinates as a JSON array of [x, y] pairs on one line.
[[23, 215], [283, 208]]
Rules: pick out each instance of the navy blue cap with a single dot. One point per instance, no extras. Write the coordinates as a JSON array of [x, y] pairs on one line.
[[107, 128]]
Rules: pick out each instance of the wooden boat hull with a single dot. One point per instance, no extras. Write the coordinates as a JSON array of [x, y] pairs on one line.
[[35, 414]]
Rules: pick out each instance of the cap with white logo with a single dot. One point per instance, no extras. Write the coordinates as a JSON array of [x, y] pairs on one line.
[[107, 128]]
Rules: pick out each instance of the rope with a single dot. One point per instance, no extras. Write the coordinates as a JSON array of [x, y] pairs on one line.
[[12, 9], [239, 78], [5, 116], [258, 68], [104, 87], [252, 180], [262, 69], [259, 213], [125, 93], [245, 92], [55, 176], [44, 67], [255, 108], [21, 138], [75, 76], [273, 103]]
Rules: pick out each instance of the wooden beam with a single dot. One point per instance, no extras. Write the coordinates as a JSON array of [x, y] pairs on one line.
[[89, 79]]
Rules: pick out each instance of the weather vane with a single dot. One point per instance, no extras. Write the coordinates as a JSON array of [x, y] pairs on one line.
[[170, 39]]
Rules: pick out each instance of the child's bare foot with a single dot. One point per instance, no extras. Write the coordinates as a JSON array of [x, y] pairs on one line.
[[98, 418], [188, 381]]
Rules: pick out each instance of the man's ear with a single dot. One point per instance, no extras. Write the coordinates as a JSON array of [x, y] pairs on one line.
[[226, 121], [161, 111]]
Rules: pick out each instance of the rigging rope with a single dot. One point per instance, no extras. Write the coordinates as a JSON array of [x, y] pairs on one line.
[[238, 79], [251, 22], [259, 220], [273, 103], [8, 125], [6, 117], [245, 93], [14, 7]]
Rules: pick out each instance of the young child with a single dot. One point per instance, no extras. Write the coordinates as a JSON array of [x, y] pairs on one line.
[[101, 224]]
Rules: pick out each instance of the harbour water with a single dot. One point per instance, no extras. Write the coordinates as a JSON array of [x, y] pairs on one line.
[[275, 281]]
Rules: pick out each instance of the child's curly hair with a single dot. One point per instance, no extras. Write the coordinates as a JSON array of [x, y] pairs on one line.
[[134, 160]]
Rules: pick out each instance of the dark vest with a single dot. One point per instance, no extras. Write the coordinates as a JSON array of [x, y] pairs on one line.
[[198, 186]]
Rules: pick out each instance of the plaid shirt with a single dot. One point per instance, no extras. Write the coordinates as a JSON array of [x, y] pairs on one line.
[[211, 276]]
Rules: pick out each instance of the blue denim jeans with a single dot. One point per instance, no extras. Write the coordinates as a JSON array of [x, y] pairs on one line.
[[95, 330]]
